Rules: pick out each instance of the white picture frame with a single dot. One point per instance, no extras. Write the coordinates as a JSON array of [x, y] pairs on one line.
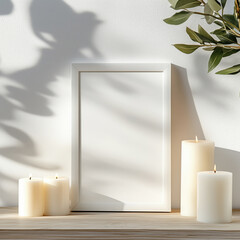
[[97, 195]]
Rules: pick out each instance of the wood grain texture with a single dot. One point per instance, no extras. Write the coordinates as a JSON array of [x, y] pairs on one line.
[[118, 234], [114, 225]]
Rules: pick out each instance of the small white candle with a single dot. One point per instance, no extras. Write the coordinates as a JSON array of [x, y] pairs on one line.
[[30, 197], [56, 192], [214, 201], [197, 155]]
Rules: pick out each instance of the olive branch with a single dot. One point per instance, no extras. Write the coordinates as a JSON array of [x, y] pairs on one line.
[[222, 42]]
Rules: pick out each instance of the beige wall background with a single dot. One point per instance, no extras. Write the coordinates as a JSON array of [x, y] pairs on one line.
[[38, 41]]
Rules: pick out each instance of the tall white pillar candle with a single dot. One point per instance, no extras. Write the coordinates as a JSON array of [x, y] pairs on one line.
[[30, 197], [197, 155], [56, 192], [214, 197]]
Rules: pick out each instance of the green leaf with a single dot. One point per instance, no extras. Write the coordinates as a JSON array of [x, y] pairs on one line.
[[178, 18], [231, 18], [194, 35], [219, 23], [225, 37], [206, 35], [209, 48], [215, 58], [223, 3], [228, 52], [232, 70], [173, 3], [208, 10], [219, 31], [185, 48], [181, 4], [200, 38], [214, 5]]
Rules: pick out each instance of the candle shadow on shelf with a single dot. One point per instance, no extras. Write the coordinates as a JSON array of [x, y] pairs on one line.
[[229, 160], [185, 125], [29, 92]]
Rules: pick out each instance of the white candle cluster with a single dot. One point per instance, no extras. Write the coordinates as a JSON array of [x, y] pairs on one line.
[[47, 196], [205, 192]]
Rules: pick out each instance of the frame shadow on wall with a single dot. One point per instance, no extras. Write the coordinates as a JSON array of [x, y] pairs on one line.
[[186, 125]]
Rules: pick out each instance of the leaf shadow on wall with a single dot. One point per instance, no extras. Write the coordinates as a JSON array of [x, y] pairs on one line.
[[67, 34], [185, 125], [208, 90], [6, 7]]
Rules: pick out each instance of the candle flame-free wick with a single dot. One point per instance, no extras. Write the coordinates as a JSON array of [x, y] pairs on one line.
[[30, 176], [215, 168], [196, 138], [56, 176]]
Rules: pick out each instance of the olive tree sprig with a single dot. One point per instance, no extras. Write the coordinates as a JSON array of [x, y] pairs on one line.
[[222, 42]]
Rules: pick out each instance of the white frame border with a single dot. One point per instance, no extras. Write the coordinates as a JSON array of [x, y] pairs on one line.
[[77, 68]]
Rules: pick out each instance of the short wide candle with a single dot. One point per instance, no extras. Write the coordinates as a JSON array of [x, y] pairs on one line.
[[197, 155], [30, 197], [214, 201], [56, 191]]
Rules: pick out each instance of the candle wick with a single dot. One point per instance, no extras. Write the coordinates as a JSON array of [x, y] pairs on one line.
[[30, 178], [215, 168]]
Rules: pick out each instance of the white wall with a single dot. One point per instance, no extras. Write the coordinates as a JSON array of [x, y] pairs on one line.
[[38, 41]]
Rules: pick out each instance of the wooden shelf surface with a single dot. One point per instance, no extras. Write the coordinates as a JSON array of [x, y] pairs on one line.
[[114, 225]]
